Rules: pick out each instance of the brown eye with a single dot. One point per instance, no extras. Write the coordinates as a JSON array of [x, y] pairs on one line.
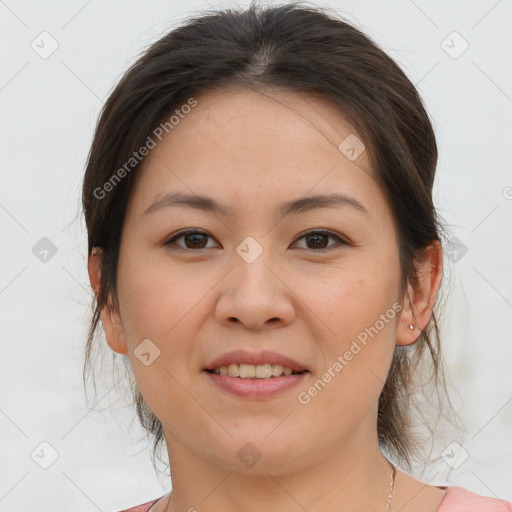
[[193, 240], [315, 240], [318, 240]]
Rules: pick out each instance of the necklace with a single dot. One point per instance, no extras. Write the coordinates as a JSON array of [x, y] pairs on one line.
[[392, 486], [390, 495]]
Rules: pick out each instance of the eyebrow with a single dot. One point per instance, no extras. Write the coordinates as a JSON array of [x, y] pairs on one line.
[[295, 206]]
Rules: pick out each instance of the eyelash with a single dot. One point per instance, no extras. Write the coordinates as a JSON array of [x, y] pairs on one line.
[[184, 233]]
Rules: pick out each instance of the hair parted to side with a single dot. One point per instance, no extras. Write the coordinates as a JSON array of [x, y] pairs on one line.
[[299, 48]]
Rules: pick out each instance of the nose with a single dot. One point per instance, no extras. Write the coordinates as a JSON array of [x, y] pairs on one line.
[[256, 295]]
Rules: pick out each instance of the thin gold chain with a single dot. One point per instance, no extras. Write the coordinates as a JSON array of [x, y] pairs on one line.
[[390, 495], [392, 487]]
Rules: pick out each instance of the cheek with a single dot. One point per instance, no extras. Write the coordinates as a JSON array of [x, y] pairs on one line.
[[356, 337], [159, 301], [164, 307], [350, 300], [161, 306]]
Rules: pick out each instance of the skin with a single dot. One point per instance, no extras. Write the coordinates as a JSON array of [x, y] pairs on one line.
[[252, 151]]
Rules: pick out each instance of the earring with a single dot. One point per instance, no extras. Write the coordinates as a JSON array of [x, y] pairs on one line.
[[411, 326]]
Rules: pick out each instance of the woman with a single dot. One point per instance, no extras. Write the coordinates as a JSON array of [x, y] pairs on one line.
[[266, 254]]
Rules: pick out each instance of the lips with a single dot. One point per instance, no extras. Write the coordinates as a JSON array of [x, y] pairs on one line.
[[255, 358]]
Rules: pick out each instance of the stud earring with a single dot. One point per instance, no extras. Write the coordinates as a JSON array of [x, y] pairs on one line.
[[411, 326]]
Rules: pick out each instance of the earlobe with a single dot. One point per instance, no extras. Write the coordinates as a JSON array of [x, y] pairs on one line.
[[110, 318], [417, 311], [114, 332]]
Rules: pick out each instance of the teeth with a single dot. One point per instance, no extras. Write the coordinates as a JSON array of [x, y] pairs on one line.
[[250, 371], [277, 370], [263, 371], [234, 370]]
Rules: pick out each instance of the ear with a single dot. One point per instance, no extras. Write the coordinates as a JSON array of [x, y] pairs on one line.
[[417, 309], [110, 318]]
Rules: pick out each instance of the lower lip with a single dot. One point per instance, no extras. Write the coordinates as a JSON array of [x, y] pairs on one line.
[[256, 388]]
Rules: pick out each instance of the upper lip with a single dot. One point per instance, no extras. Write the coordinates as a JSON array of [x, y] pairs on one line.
[[254, 358]]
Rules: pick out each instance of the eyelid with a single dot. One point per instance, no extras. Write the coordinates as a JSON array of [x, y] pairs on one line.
[[184, 232], [341, 240]]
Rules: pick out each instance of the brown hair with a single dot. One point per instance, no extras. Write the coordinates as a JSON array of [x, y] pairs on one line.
[[299, 48]]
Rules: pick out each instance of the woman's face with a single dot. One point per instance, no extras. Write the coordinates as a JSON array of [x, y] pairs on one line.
[[258, 277]]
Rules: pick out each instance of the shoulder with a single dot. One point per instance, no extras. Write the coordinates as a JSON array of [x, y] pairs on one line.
[[458, 499], [141, 508]]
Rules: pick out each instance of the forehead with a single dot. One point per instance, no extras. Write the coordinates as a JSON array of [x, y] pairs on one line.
[[273, 115], [244, 144]]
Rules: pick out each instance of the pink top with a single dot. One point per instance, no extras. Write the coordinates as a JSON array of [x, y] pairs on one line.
[[141, 508], [456, 499]]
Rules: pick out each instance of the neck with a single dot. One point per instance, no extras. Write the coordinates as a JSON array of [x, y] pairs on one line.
[[356, 477]]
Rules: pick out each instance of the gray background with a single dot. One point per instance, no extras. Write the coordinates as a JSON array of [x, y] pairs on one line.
[[49, 107]]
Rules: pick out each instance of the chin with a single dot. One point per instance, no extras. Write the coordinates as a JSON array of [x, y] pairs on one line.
[[259, 453]]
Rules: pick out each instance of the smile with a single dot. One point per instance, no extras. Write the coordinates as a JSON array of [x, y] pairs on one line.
[[251, 371]]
